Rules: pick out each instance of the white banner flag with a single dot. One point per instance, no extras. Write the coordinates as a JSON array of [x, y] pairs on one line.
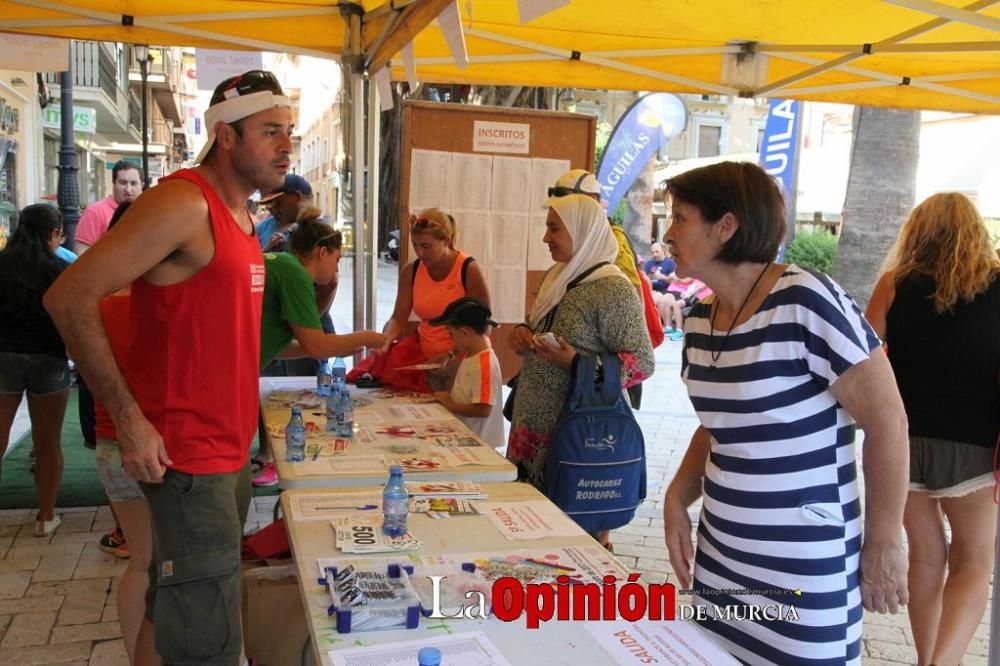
[[529, 10], [384, 85], [450, 21], [409, 65], [27, 53], [214, 66]]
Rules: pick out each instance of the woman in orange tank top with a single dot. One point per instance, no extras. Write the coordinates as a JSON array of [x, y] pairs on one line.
[[439, 275]]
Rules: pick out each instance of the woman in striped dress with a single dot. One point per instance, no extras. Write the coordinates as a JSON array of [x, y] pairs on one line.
[[779, 365]]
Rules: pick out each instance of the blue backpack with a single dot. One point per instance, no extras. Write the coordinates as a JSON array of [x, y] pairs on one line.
[[596, 470]]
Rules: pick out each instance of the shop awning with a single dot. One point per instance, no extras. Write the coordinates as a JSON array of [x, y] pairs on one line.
[[918, 54]]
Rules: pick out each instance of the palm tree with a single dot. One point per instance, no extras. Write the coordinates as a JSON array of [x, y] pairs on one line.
[[881, 189]]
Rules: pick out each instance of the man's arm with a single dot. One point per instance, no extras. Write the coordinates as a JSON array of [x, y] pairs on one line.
[[165, 219], [869, 393]]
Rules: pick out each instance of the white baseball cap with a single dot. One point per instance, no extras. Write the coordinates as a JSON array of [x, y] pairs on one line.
[[239, 97]]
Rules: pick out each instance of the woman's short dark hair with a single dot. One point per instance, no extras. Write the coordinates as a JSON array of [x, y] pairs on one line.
[[752, 196], [312, 233]]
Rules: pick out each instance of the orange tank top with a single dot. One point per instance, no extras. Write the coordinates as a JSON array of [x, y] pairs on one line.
[[430, 298]]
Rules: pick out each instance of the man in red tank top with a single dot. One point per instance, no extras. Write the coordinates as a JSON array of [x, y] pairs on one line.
[[185, 402]]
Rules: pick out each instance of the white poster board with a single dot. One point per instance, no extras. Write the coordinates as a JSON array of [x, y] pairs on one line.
[[498, 206]]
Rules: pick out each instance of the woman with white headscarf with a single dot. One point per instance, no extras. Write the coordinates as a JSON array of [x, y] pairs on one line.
[[591, 308]]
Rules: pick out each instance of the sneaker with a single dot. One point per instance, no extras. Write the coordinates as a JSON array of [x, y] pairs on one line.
[[667, 330], [677, 335], [267, 477], [44, 528], [113, 542]]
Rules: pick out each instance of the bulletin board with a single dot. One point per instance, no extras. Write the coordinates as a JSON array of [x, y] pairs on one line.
[[490, 168]]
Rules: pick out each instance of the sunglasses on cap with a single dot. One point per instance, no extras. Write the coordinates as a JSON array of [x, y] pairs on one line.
[[256, 80], [564, 191]]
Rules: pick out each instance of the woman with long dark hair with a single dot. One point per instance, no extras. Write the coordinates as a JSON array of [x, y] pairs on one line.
[[32, 355], [937, 306]]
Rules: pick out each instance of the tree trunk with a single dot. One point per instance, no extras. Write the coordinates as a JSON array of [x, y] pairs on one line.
[[391, 127], [638, 222], [881, 189]]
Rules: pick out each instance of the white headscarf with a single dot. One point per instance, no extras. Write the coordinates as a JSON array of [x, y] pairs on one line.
[[593, 243]]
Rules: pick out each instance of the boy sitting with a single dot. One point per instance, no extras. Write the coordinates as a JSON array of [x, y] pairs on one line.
[[476, 396]]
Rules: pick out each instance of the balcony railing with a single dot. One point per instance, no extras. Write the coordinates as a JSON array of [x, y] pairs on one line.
[[93, 67], [135, 113]]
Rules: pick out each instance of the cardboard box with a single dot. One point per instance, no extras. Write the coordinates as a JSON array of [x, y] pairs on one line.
[[274, 621]]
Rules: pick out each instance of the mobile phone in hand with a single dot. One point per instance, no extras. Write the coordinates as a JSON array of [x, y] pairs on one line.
[[548, 338]]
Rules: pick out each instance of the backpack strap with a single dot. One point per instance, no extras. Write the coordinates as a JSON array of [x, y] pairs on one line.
[[611, 387], [582, 276], [465, 268], [416, 265], [550, 316], [582, 372]]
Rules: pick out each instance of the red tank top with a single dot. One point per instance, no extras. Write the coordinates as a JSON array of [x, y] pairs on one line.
[[115, 315], [193, 356]]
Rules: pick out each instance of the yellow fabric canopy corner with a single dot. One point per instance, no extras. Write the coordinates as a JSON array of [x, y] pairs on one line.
[[915, 54]]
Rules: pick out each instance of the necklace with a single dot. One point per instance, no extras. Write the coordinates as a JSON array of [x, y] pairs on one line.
[[711, 322]]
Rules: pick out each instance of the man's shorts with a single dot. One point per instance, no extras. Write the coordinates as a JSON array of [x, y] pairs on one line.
[[118, 485], [194, 593], [38, 374]]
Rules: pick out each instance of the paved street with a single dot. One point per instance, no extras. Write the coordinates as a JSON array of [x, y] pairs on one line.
[[57, 594]]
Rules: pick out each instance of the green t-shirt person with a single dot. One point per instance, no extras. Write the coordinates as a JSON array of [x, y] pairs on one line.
[[290, 325], [289, 298]]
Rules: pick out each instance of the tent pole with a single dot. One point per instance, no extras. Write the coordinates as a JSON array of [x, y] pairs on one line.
[[357, 84], [374, 122]]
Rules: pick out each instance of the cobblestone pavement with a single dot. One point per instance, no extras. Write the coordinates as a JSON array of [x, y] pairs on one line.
[[57, 594]]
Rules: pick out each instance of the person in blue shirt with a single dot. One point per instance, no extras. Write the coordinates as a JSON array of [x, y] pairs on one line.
[[660, 268], [284, 203]]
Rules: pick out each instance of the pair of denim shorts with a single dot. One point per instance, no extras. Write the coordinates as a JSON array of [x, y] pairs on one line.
[[38, 374]]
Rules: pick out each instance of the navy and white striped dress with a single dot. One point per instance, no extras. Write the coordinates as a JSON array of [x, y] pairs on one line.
[[781, 508]]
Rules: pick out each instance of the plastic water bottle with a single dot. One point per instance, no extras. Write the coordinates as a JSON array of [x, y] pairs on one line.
[[332, 408], [429, 656], [324, 377], [345, 419], [395, 504], [339, 371], [295, 437]]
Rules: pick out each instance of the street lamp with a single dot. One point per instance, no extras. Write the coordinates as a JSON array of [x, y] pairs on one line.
[[143, 58]]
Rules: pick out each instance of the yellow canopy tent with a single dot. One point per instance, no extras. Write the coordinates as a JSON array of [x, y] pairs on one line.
[[916, 54], [919, 54]]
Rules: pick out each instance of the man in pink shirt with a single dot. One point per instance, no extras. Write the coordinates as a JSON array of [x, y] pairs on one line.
[[94, 221]]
